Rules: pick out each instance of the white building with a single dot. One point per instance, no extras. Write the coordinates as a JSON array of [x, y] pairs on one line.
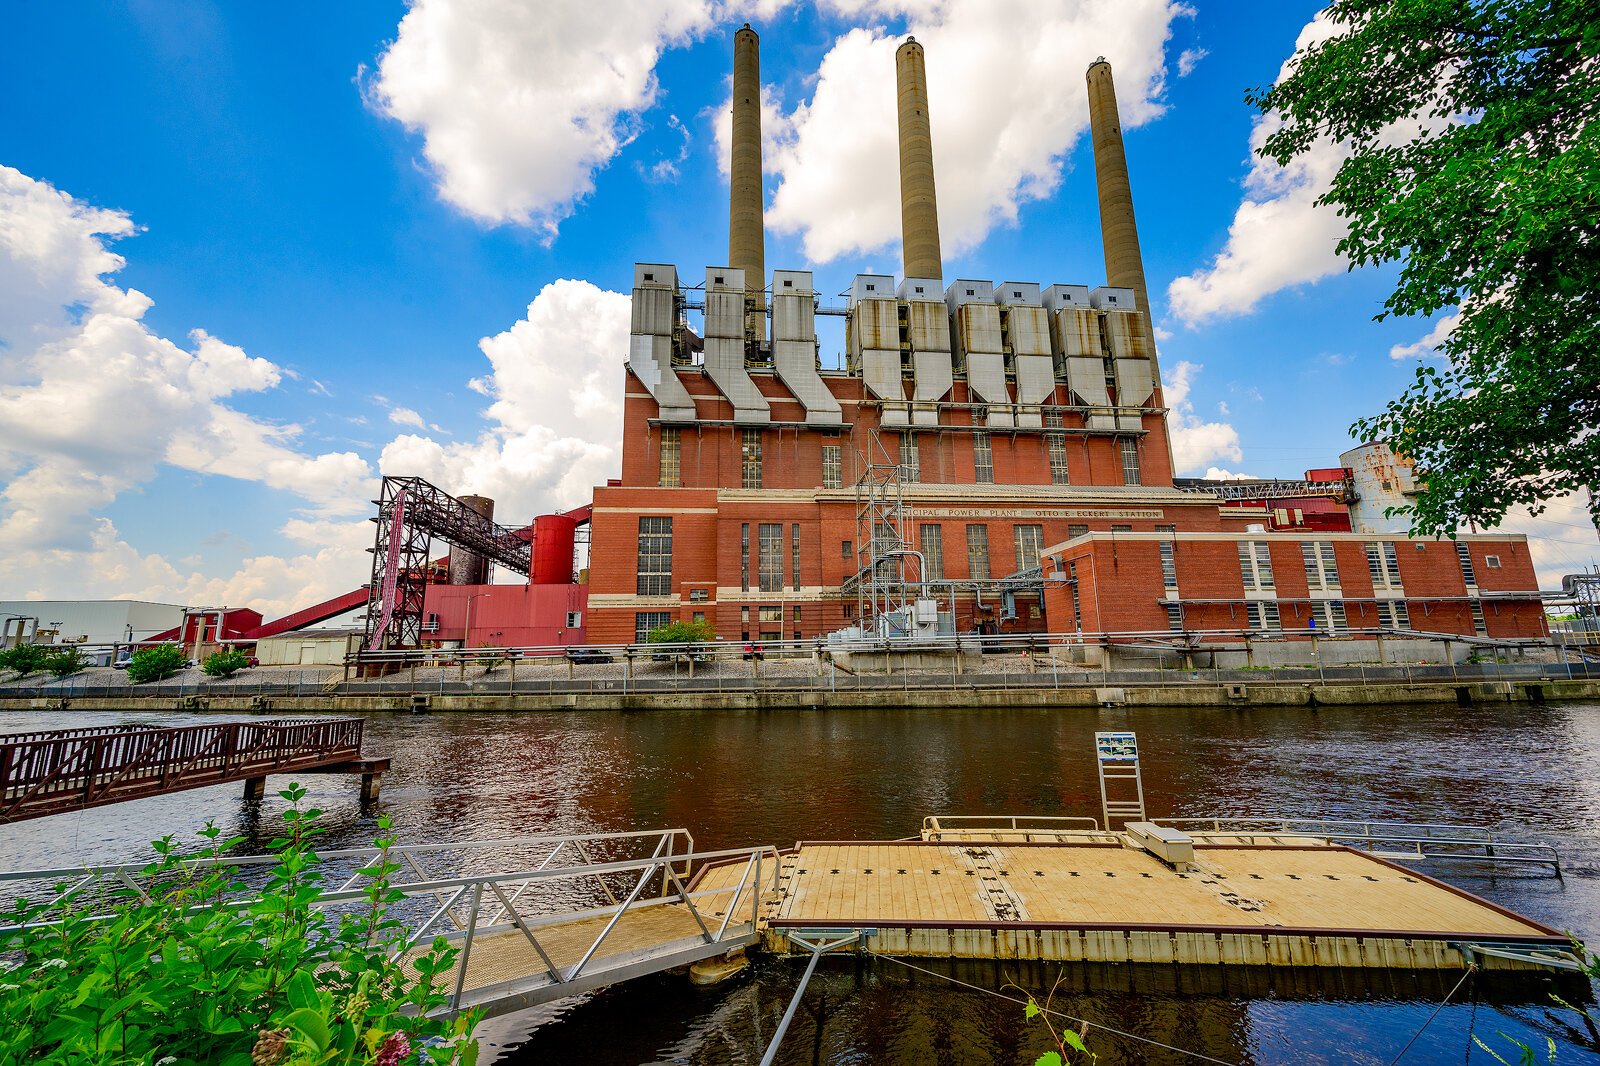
[[85, 621]]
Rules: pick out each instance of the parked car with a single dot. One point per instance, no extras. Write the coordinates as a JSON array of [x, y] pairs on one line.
[[587, 655], [122, 663], [752, 651]]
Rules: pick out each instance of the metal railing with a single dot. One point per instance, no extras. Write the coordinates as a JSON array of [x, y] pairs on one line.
[[1030, 827], [1414, 841], [45, 773]]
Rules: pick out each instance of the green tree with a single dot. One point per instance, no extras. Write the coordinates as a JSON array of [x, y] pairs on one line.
[[153, 664], [66, 661], [681, 632], [24, 658], [225, 663], [1472, 159]]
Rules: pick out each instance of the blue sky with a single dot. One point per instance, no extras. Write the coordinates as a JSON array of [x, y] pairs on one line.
[[346, 199]]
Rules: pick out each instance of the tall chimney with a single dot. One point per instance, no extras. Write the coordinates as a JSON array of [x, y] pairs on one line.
[[746, 248], [919, 213], [1124, 267]]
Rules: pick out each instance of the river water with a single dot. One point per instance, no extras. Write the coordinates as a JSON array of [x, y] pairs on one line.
[[742, 778]]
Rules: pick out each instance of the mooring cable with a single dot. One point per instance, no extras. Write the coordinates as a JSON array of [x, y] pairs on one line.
[[1050, 1010], [1472, 968]]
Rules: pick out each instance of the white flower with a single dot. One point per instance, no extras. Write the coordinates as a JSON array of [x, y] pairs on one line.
[[53, 964]]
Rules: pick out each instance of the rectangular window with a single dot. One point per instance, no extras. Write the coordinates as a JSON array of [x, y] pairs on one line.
[[1393, 614], [1322, 570], [645, 621], [1263, 615], [1255, 564], [1479, 625], [982, 459], [770, 556], [699, 616], [978, 552], [771, 623], [1383, 564], [750, 452], [1056, 448], [1464, 553], [832, 466], [744, 556], [574, 619], [932, 538], [1131, 473], [671, 448], [794, 555], [699, 595], [1074, 531], [1029, 542], [1491, 562], [910, 463], [1329, 617], [1169, 566], [655, 557], [847, 550], [1072, 583], [1175, 616]]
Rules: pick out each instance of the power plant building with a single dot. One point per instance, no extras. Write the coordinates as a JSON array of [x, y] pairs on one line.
[[993, 455]]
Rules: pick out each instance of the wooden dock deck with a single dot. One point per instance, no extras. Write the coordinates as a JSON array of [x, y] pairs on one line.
[[1098, 897]]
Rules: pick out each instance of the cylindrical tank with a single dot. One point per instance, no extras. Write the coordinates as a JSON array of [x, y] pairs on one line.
[[553, 536], [919, 210], [746, 232], [468, 567], [1381, 480]]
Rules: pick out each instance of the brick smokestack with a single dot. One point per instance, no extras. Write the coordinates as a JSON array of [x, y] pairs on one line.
[[746, 236], [1118, 232], [919, 213]]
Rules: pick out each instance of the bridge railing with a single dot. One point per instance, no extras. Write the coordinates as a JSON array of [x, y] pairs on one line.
[[83, 767]]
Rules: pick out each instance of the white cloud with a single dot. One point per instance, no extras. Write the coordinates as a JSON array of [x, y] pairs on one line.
[[1195, 442], [1561, 539], [1427, 346], [1188, 59], [1217, 473], [405, 416], [520, 104], [1007, 105]]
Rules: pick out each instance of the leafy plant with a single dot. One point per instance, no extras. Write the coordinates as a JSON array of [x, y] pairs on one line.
[[225, 663], [66, 661], [183, 977], [681, 632], [1067, 1042], [153, 664], [1471, 139], [24, 658]]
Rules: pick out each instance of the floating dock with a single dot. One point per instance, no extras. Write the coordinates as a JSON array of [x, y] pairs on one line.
[[1109, 897]]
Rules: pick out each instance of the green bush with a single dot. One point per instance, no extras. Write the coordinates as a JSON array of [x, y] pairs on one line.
[[153, 664], [24, 658], [225, 663], [177, 979], [65, 662], [681, 632]]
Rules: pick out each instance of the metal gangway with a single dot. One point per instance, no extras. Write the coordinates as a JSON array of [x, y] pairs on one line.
[[533, 918], [1405, 841]]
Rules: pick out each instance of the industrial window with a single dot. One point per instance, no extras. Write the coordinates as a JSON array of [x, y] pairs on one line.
[[1255, 564], [646, 621], [1056, 447], [655, 557], [770, 558], [788, 283], [978, 553], [574, 619], [699, 616], [982, 459], [932, 538], [1479, 625], [1383, 563], [1169, 566], [1030, 542], [1392, 614], [1322, 570], [771, 620], [1072, 583], [1075, 530], [1175, 616], [1263, 615], [671, 450], [1329, 617], [794, 552], [751, 453], [1115, 528], [744, 556], [699, 595], [832, 466], [910, 464], [1491, 562], [1130, 462], [1464, 553]]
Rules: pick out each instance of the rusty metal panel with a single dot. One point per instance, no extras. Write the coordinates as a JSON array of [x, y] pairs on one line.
[[875, 325], [978, 328], [1028, 330], [1127, 335], [928, 325]]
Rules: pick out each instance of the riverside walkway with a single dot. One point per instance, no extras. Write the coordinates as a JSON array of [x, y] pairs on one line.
[[69, 769]]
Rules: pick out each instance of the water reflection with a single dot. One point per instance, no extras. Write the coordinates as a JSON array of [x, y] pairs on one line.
[[741, 778]]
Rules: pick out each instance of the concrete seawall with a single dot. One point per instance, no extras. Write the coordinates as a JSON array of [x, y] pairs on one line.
[[1177, 695]]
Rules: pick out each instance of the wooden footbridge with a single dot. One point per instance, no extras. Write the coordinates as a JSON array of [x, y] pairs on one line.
[[70, 769]]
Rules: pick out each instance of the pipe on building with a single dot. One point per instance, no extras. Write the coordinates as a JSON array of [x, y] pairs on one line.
[[746, 235], [919, 213], [1118, 232], [468, 567]]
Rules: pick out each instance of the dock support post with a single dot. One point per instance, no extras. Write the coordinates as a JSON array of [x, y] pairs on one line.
[[255, 789], [371, 786], [817, 951]]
